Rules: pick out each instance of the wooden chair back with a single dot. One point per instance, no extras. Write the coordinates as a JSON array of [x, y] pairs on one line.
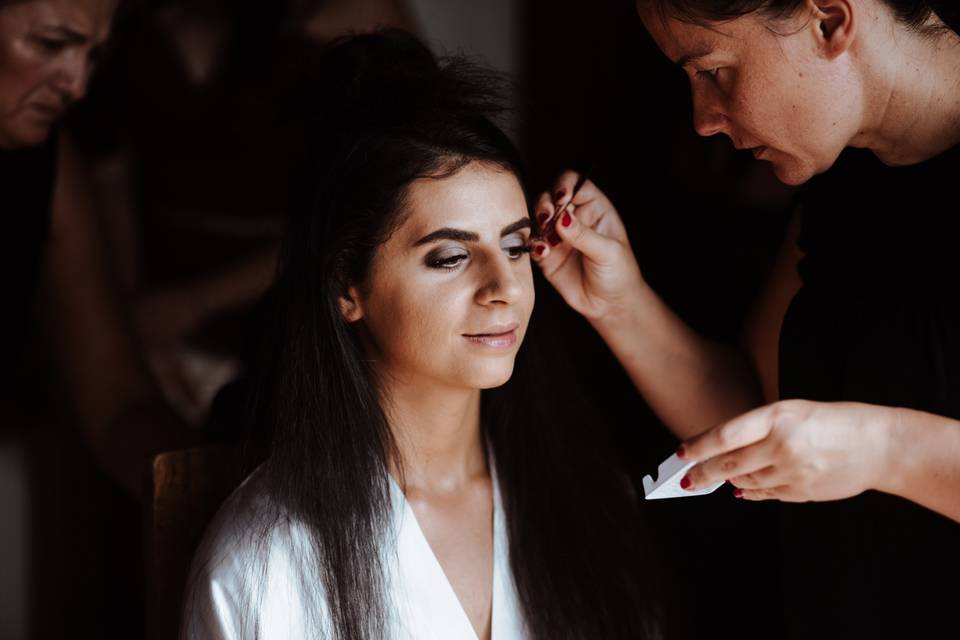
[[185, 489]]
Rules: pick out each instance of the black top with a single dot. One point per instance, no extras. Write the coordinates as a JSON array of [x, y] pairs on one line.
[[878, 321], [26, 187]]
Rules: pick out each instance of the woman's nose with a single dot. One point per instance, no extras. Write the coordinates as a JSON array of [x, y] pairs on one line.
[[708, 116], [71, 79], [501, 282]]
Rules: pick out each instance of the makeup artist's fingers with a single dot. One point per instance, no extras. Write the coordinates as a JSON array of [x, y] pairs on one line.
[[588, 192], [545, 256], [782, 493], [563, 186], [543, 209], [594, 209], [598, 249], [720, 468], [599, 215], [742, 431], [760, 479], [555, 254]]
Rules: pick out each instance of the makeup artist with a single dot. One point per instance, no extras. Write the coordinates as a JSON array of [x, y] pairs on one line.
[[847, 391], [51, 247]]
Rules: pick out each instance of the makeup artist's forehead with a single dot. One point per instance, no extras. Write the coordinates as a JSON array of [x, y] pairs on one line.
[[482, 198], [678, 39]]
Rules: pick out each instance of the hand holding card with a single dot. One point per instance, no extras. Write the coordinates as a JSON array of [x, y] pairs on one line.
[[667, 484]]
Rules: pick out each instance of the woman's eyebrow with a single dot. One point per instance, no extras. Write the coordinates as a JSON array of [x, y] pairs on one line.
[[447, 233], [522, 223]]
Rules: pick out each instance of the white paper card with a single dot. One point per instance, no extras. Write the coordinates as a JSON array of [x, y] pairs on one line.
[[667, 484]]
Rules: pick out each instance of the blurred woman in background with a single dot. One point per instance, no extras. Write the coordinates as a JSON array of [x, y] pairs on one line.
[[48, 50], [74, 514]]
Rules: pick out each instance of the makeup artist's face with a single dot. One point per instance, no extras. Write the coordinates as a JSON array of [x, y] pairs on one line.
[[47, 49], [771, 88], [450, 293]]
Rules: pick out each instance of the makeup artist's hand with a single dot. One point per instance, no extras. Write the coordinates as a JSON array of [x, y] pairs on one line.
[[797, 451], [593, 266]]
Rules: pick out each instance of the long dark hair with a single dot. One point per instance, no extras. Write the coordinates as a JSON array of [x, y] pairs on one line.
[[392, 113], [913, 13]]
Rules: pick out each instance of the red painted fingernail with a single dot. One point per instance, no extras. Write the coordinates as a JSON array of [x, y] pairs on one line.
[[566, 220], [540, 249], [685, 482], [681, 452], [738, 493]]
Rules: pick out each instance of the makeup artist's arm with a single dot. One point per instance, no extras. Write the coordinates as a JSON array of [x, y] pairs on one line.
[[799, 451], [691, 382], [120, 411]]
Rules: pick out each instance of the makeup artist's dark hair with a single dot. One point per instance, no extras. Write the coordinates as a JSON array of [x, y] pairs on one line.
[[913, 13], [392, 113]]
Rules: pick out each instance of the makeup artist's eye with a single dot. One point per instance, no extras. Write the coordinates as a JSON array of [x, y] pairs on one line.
[[515, 246], [449, 258], [709, 74]]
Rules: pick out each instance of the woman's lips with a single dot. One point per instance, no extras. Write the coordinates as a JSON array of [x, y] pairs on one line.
[[500, 337]]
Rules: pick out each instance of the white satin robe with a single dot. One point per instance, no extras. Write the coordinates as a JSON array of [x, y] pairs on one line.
[[228, 599]]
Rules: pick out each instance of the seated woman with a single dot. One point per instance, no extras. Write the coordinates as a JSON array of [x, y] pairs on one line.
[[416, 483]]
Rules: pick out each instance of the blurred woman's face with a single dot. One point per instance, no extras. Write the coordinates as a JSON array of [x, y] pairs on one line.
[[450, 292], [47, 50], [770, 88]]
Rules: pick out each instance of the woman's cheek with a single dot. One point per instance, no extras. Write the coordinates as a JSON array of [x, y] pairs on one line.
[[416, 316]]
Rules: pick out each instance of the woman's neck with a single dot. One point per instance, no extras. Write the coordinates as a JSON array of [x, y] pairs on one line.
[[913, 83], [438, 436]]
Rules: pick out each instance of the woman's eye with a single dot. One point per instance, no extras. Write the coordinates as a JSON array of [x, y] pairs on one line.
[[515, 247], [446, 259]]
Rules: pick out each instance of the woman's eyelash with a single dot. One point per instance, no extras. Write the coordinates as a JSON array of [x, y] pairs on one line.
[[448, 262], [516, 245], [519, 250], [709, 73], [443, 260]]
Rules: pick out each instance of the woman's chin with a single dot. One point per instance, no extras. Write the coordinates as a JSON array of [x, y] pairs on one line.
[[491, 377]]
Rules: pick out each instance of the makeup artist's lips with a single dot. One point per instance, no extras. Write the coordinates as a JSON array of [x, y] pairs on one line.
[[755, 150], [497, 337], [47, 111]]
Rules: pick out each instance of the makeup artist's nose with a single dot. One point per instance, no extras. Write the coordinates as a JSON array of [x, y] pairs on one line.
[[500, 283], [708, 116]]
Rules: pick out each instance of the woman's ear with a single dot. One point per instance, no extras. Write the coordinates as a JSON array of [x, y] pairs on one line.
[[835, 22], [350, 306]]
